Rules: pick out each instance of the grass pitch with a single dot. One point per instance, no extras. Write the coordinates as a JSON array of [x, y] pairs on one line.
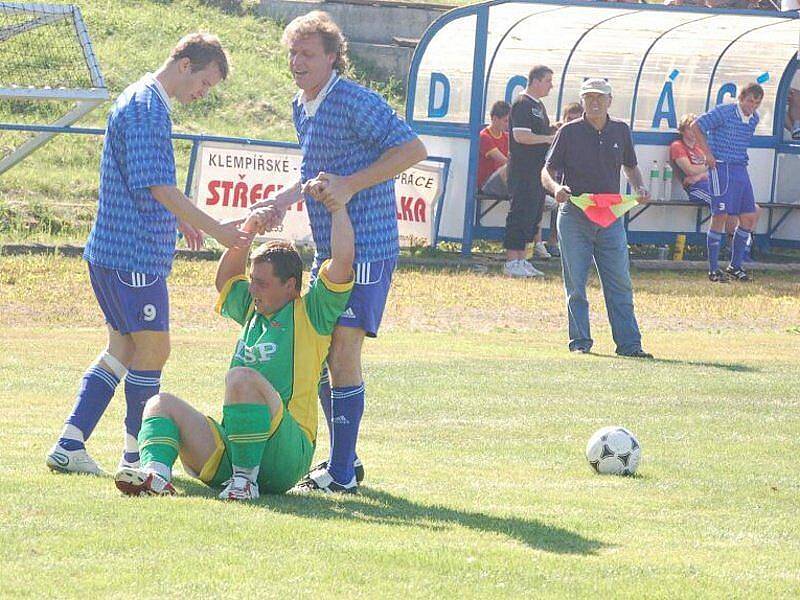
[[473, 441]]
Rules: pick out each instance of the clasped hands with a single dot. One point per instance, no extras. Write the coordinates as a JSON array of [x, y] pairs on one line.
[[331, 190]]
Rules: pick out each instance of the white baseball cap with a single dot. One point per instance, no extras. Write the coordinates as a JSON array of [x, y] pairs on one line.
[[596, 85]]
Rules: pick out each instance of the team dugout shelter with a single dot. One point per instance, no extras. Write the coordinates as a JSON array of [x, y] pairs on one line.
[[661, 61]]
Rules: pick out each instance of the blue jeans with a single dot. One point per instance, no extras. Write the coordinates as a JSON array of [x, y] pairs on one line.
[[582, 242]]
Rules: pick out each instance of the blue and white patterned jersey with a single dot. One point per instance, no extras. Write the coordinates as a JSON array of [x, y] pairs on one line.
[[351, 129], [728, 134], [133, 231]]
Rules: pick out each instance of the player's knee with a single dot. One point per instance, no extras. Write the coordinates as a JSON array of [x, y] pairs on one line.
[[160, 405], [241, 382]]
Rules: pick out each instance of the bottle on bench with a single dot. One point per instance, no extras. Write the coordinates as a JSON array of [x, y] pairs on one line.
[[655, 180], [667, 181]]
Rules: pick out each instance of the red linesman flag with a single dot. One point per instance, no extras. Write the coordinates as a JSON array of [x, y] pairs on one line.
[[604, 209]]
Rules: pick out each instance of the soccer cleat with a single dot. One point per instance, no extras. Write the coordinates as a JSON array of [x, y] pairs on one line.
[[240, 489], [718, 276], [72, 461], [515, 268], [738, 274], [136, 482], [323, 466], [531, 270], [540, 251], [796, 134], [321, 481]]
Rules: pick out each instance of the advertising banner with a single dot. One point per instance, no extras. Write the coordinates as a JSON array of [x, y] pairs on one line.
[[229, 178]]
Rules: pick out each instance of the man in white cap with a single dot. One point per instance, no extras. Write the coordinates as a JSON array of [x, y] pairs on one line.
[[588, 154]]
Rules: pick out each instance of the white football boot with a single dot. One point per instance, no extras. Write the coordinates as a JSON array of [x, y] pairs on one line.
[[72, 461], [239, 488], [136, 482]]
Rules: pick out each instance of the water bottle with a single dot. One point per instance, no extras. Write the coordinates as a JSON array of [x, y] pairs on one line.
[[667, 181], [655, 179]]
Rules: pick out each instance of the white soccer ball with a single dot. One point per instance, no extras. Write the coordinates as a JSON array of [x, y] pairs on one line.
[[613, 451]]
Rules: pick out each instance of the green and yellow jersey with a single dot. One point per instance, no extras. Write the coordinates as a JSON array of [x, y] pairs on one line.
[[288, 347]]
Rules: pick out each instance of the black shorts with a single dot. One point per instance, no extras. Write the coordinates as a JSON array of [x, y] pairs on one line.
[[527, 203]]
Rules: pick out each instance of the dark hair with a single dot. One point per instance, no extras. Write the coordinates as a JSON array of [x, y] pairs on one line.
[[753, 89], [318, 21], [538, 72], [572, 107], [202, 49], [283, 257], [500, 109]]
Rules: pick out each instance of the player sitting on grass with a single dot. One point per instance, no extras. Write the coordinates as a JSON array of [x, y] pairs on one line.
[[267, 436]]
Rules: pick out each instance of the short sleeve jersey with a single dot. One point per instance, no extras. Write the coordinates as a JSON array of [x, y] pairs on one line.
[[289, 346], [526, 160], [486, 143], [728, 132], [590, 160], [679, 149], [351, 129], [133, 231]]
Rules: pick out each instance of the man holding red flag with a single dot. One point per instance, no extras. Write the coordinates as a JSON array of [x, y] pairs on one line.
[[588, 154]]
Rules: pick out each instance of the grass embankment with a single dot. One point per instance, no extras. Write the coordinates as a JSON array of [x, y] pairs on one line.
[[51, 195]]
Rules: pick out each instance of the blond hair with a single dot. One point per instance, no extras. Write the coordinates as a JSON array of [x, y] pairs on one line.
[[685, 121], [319, 22]]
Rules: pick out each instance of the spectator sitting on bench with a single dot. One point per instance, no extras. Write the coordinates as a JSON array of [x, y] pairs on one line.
[[493, 148], [690, 162]]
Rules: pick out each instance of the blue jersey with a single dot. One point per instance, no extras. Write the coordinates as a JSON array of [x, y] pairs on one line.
[[728, 133], [133, 231], [351, 129]]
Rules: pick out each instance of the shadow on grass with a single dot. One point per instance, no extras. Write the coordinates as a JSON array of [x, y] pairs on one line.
[[383, 508], [732, 367]]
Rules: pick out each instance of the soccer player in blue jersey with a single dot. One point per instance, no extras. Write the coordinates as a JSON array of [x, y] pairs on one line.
[[723, 134], [354, 144], [132, 243]]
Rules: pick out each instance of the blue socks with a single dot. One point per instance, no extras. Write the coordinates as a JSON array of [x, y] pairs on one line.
[[347, 407], [97, 389], [741, 241], [714, 243], [324, 395], [140, 386]]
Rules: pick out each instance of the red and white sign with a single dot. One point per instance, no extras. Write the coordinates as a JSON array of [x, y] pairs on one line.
[[229, 178]]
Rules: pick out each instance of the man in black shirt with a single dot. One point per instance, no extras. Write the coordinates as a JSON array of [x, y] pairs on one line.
[[588, 154], [530, 137]]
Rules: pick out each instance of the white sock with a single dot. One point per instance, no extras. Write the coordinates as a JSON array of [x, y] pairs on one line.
[[159, 469], [131, 445], [70, 432], [250, 474]]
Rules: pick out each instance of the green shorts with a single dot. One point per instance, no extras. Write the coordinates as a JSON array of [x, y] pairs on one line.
[[287, 457]]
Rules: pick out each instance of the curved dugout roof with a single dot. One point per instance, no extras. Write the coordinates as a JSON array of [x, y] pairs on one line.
[[702, 55]]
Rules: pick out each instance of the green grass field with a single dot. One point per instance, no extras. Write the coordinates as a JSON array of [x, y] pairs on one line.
[[473, 441]]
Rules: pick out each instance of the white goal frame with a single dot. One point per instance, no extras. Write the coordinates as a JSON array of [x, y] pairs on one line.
[[86, 99]]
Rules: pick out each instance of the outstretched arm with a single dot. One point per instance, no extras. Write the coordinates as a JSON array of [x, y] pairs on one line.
[[227, 234], [339, 189], [340, 269], [234, 260]]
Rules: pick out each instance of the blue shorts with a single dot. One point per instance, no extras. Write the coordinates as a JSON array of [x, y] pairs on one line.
[[699, 192], [731, 190], [367, 301], [130, 301]]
